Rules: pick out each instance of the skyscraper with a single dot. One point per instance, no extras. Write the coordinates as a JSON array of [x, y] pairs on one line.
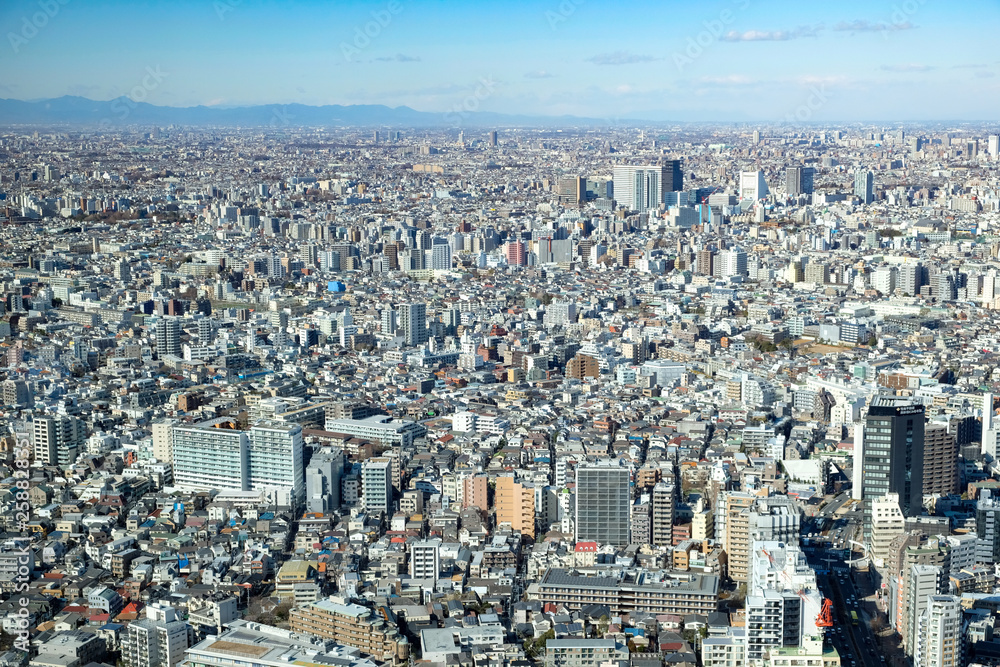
[[642, 188], [603, 503], [752, 185], [864, 185], [892, 456], [799, 180], [413, 323], [168, 337]]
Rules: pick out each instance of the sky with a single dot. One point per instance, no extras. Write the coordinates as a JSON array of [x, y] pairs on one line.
[[727, 60]]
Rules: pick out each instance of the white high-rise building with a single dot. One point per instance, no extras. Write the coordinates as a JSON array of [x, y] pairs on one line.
[[276, 461], [734, 262], [57, 439], [425, 559], [939, 633], [440, 256], [782, 602], [639, 188], [993, 145], [158, 640], [752, 185]]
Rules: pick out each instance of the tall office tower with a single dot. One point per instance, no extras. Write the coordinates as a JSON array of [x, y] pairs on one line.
[[940, 460], [753, 187], [993, 145], [673, 176], [892, 456], [640, 188], [603, 503], [756, 136], [413, 323], [734, 262], [911, 277], [168, 337], [423, 240], [799, 180], [493, 138], [16, 392], [276, 461], [425, 559], [515, 505], [158, 640], [517, 254], [323, 476], [376, 485], [663, 514], [388, 323], [864, 185], [122, 271], [163, 440], [782, 600], [211, 455], [940, 635], [440, 259], [923, 583], [572, 190], [57, 439]]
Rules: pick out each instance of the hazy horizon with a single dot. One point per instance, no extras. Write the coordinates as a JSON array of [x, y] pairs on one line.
[[729, 61]]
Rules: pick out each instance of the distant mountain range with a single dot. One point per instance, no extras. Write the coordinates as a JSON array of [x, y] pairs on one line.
[[122, 111]]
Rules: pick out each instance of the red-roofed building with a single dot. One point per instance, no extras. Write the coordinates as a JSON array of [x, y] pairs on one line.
[[585, 554]]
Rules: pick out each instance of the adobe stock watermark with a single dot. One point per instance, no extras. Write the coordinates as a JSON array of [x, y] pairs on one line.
[[122, 107], [223, 7], [22, 515], [280, 118], [817, 99], [363, 35], [901, 15], [31, 25], [562, 13], [713, 32], [461, 110]]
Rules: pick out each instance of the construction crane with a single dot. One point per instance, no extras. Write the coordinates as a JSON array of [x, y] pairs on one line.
[[825, 618]]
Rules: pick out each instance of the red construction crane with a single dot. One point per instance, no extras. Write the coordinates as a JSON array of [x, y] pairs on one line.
[[825, 618]]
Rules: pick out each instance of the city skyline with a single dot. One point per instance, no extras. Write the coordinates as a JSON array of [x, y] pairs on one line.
[[725, 61]]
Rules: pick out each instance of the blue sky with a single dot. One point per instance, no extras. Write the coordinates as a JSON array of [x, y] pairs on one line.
[[725, 60]]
